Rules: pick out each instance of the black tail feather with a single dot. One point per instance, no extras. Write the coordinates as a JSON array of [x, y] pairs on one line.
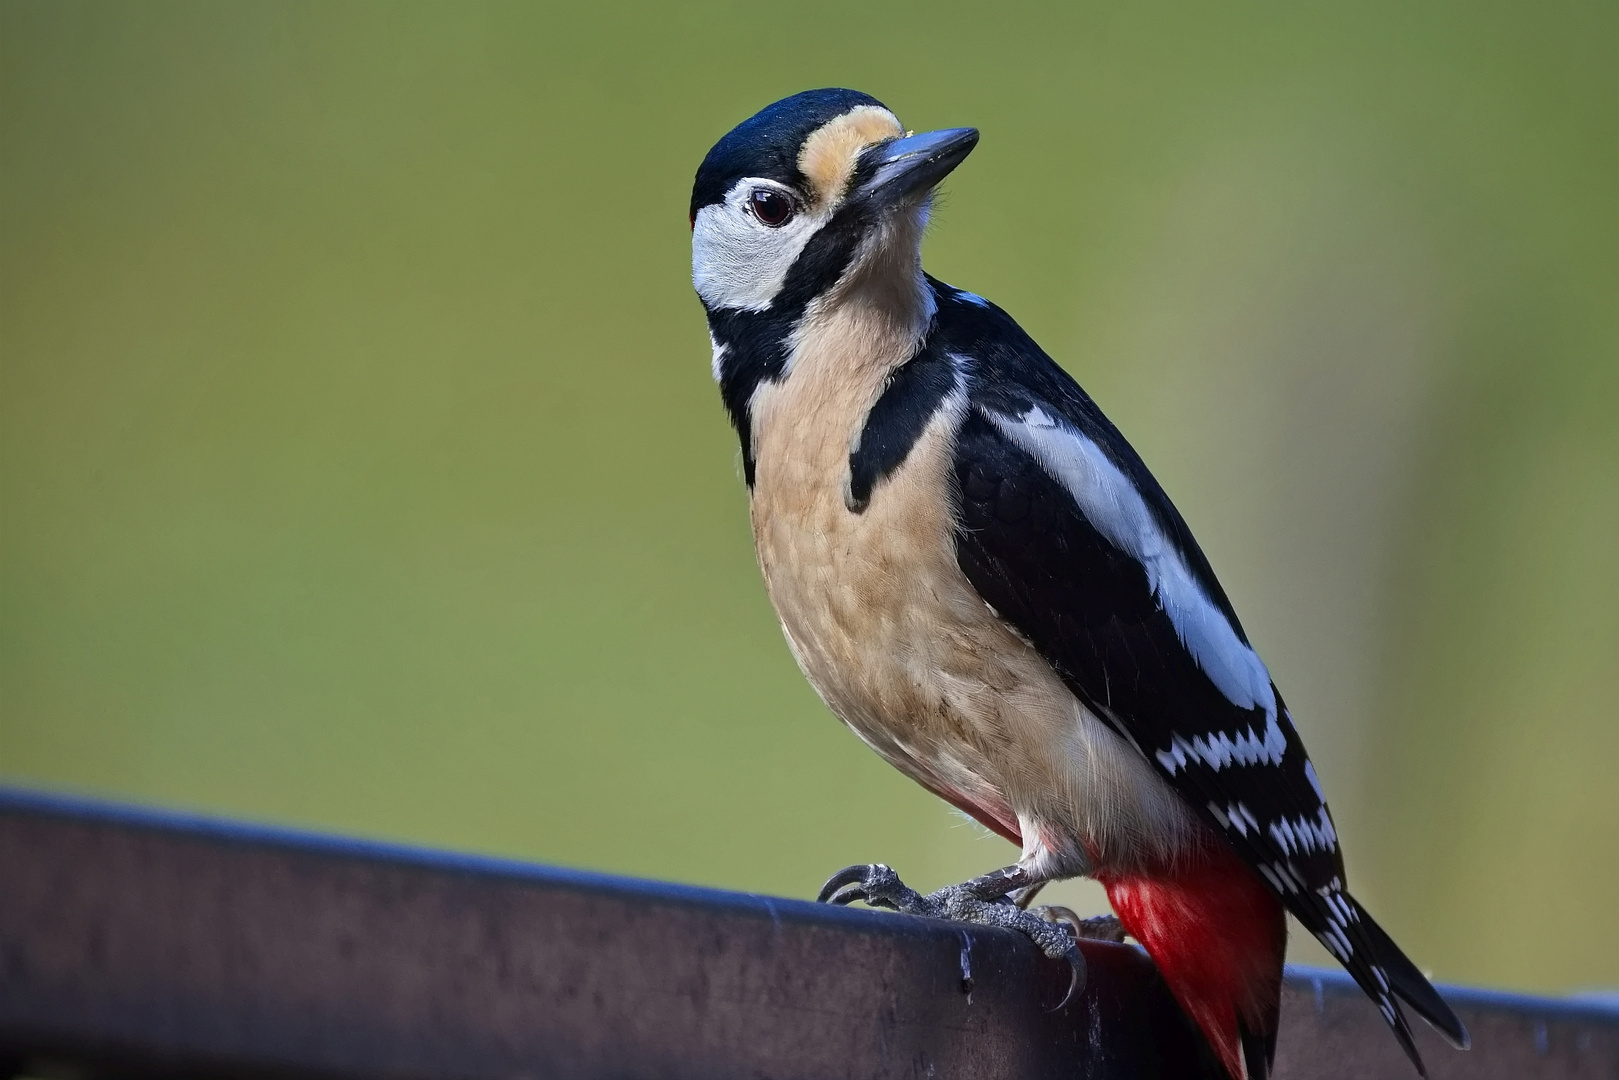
[[1379, 967], [1258, 1051], [1410, 984]]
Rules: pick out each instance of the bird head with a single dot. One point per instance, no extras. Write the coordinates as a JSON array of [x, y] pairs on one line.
[[811, 195]]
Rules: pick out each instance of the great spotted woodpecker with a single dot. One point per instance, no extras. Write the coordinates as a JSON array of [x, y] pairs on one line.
[[981, 578]]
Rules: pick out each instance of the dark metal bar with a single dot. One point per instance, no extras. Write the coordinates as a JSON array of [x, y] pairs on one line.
[[135, 942]]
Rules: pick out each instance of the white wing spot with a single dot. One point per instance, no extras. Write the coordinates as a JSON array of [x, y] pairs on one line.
[[1220, 750], [1309, 774], [1174, 758], [1289, 877], [1340, 907], [1301, 835], [1333, 938]]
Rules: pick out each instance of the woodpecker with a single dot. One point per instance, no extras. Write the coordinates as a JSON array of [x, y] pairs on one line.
[[980, 577]]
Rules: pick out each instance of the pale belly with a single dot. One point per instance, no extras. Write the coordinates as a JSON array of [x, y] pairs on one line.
[[900, 646]]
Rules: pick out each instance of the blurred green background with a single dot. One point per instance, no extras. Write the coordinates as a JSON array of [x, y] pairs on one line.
[[361, 469]]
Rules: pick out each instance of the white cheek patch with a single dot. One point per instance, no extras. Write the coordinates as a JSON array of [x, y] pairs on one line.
[[737, 262], [1113, 506]]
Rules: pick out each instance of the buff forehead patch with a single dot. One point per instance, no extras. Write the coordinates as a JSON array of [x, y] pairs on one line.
[[828, 157]]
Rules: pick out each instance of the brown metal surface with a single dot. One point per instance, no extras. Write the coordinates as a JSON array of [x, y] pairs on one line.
[[134, 942], [1331, 1032]]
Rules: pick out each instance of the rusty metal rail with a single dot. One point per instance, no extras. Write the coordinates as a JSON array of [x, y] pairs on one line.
[[135, 942]]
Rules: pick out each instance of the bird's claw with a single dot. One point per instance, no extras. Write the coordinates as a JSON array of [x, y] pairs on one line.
[[878, 886], [974, 902], [1095, 928], [1076, 975]]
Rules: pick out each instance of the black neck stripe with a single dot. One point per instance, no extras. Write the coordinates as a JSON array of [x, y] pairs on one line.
[[757, 342]]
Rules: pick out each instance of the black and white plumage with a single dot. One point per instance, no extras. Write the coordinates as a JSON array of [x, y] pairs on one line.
[[1066, 535], [984, 581]]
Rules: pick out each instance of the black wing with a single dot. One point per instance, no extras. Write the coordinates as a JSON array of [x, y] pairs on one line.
[[1070, 539]]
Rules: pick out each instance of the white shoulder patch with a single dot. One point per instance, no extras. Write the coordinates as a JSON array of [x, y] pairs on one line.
[[971, 298], [1113, 506], [1037, 418], [719, 355]]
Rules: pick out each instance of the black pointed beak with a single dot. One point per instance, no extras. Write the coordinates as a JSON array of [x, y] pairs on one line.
[[902, 168]]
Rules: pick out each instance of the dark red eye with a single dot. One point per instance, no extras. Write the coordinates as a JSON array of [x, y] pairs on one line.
[[771, 207]]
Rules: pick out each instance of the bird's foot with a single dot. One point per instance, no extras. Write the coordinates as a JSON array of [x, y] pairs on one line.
[[1095, 928], [983, 901]]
